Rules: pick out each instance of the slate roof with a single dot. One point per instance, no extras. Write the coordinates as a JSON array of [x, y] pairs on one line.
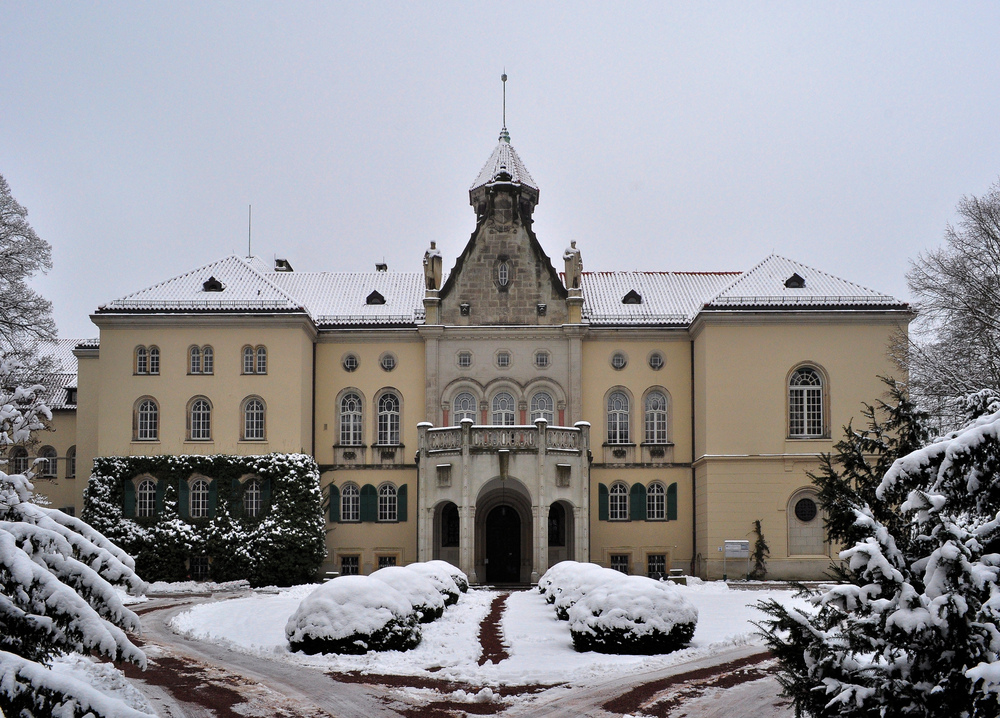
[[504, 160], [63, 376], [668, 298], [764, 286], [339, 299], [245, 288]]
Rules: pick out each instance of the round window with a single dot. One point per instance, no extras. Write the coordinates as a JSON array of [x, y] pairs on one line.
[[656, 361], [619, 360], [350, 362], [805, 510], [387, 361]]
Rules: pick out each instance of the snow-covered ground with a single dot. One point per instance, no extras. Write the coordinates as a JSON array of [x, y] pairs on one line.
[[540, 646]]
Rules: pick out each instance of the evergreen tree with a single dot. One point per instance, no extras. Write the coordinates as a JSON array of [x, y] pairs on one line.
[[759, 554], [913, 631]]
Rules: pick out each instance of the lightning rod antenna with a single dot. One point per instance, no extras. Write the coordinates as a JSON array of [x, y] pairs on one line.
[[249, 228], [503, 79]]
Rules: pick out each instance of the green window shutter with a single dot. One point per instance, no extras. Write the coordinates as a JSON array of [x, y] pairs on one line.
[[602, 502], [334, 504], [236, 499], [128, 507], [265, 495], [637, 502], [161, 488], [401, 503], [213, 497], [369, 503], [672, 502], [183, 499]]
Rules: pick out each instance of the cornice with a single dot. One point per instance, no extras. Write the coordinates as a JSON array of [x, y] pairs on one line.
[[716, 317]]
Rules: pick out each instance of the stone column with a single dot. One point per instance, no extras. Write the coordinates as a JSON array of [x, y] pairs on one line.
[[467, 512], [540, 523], [424, 512]]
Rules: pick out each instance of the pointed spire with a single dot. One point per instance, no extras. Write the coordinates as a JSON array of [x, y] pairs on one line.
[[504, 134]]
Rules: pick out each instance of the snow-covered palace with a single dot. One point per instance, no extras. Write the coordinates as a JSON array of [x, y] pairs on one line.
[[502, 415]]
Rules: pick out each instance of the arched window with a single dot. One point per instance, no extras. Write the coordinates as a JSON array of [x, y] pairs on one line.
[[200, 420], [350, 419], [656, 418], [350, 503], [71, 462], [253, 419], [388, 420], [199, 499], [154, 360], [18, 460], [207, 360], [147, 420], [262, 360], [618, 502], [618, 418], [805, 403], [194, 366], [145, 504], [253, 498], [464, 407], [542, 407], [387, 502], [503, 409], [656, 502], [141, 360], [248, 360], [47, 467], [557, 525]]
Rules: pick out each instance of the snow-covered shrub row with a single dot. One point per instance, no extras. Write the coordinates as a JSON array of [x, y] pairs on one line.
[[284, 545], [610, 612], [634, 615], [444, 577], [380, 612]]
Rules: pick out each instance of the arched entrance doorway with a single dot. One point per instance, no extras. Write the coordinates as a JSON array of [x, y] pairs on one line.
[[503, 545], [503, 532]]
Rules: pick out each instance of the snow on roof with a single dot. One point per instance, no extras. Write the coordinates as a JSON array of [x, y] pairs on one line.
[[781, 282], [339, 298], [504, 160], [244, 287], [63, 374], [666, 297]]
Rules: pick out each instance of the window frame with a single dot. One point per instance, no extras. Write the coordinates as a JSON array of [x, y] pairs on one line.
[[351, 432], [806, 403], [198, 498], [252, 499], [199, 419], [350, 503], [495, 411], [245, 433], [71, 462], [656, 420], [17, 460], [619, 419], [145, 498], [458, 412], [194, 360], [536, 412], [656, 501], [388, 418], [48, 467], [260, 366], [618, 501], [147, 419], [388, 503]]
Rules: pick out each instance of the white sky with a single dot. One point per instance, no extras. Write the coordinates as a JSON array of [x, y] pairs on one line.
[[675, 136]]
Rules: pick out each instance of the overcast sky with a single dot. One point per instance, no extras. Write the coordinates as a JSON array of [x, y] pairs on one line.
[[676, 136]]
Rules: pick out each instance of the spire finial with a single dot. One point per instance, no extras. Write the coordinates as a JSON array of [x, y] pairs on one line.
[[504, 135]]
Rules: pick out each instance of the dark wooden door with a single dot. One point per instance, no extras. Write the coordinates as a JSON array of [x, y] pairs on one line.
[[503, 545]]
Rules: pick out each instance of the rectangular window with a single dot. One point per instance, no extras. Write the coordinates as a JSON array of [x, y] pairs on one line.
[[199, 568], [349, 566], [154, 361], [656, 565], [384, 561], [619, 562]]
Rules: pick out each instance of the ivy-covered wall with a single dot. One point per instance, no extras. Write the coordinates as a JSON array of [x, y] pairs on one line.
[[283, 544]]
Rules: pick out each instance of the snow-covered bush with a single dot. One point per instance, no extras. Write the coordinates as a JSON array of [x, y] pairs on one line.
[[914, 631], [353, 614], [283, 545], [427, 601], [633, 615], [457, 574], [57, 589], [441, 579], [576, 582], [552, 578]]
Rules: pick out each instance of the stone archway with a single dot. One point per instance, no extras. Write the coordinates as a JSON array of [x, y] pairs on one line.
[[503, 532]]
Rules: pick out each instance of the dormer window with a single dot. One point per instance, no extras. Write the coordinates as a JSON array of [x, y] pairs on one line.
[[633, 297], [375, 298], [212, 285], [795, 282]]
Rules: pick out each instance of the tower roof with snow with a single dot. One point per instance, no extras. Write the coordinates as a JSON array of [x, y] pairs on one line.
[[504, 165]]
